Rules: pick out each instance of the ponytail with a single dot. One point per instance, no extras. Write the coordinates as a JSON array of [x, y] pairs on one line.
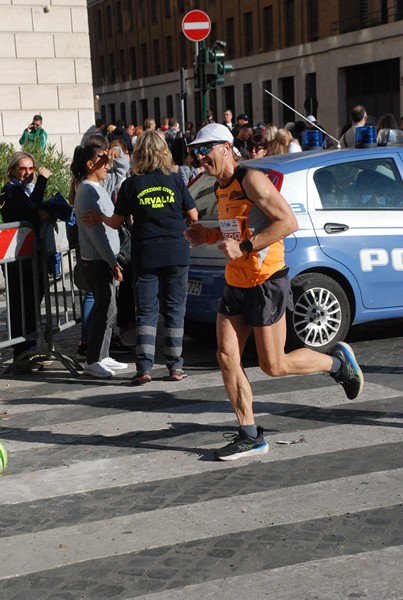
[[82, 154], [78, 167]]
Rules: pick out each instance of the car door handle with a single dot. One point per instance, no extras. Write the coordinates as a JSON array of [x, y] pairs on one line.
[[335, 227]]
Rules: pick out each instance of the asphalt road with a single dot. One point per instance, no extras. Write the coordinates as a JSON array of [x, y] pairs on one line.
[[112, 492]]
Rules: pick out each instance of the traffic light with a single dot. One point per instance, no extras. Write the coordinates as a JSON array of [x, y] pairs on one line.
[[209, 67], [221, 66]]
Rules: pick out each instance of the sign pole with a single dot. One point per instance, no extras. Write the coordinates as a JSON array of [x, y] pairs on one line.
[[204, 90], [196, 26], [182, 98]]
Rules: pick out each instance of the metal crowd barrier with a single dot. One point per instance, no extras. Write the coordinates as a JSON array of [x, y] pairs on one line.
[[30, 268]]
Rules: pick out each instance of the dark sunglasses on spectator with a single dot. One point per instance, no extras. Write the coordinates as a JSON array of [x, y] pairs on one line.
[[257, 148], [206, 148]]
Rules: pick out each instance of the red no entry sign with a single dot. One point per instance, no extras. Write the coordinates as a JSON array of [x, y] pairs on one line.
[[196, 25]]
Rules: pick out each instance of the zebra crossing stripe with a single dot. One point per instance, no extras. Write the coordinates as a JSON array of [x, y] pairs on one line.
[[349, 576], [176, 525]]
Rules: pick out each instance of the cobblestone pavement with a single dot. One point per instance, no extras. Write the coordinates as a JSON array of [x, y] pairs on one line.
[[112, 492]]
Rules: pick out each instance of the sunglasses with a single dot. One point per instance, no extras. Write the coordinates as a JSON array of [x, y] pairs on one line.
[[255, 148], [206, 148], [103, 157]]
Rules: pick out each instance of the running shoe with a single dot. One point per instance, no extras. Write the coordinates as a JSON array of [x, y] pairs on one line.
[[141, 378], [349, 375], [111, 363], [176, 375], [242, 446], [96, 369]]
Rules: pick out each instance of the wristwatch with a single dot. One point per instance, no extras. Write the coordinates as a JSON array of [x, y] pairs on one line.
[[246, 246]]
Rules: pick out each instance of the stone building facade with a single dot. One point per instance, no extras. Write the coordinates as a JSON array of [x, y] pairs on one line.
[[336, 53], [45, 69]]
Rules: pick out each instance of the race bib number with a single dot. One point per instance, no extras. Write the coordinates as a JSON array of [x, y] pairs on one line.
[[235, 229]]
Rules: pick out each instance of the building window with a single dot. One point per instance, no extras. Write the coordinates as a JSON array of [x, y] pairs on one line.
[[122, 65], [100, 30], [213, 33], [157, 57], [311, 103], [167, 9], [248, 33], [109, 21], [180, 6], [133, 64], [123, 112], [169, 54], [248, 101], [153, 8], [102, 70], [129, 14], [141, 12], [144, 109], [197, 108], [133, 112], [157, 111], [119, 18], [288, 96], [267, 103], [289, 23], [229, 98], [268, 28], [229, 37], [170, 106], [112, 113], [112, 67], [103, 113], [144, 66], [313, 20], [213, 103]]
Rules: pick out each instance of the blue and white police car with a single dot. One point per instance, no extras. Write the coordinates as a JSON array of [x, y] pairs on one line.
[[346, 259]]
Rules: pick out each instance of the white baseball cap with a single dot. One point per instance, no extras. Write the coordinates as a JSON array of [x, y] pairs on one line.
[[213, 132], [311, 118]]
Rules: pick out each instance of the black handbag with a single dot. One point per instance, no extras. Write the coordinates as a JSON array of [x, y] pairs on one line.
[[125, 237]]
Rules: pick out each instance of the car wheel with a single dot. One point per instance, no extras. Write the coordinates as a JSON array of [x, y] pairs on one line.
[[321, 315]]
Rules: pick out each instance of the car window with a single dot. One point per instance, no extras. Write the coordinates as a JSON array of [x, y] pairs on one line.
[[365, 184], [202, 190]]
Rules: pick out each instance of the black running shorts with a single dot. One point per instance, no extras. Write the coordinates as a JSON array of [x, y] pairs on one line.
[[261, 305]]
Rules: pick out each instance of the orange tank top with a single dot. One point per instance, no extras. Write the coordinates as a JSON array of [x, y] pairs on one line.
[[240, 218]]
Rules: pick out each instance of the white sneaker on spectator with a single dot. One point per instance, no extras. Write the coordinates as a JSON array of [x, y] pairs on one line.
[[96, 369], [111, 363]]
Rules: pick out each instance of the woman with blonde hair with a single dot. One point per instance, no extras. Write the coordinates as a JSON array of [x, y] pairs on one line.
[[157, 199], [270, 132], [284, 143]]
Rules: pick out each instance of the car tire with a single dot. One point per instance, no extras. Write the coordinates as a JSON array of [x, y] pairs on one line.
[[322, 314]]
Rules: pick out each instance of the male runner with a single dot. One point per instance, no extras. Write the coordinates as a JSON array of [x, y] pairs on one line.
[[254, 219]]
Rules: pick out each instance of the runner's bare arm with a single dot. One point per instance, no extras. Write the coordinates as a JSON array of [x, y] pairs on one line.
[[266, 197]]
